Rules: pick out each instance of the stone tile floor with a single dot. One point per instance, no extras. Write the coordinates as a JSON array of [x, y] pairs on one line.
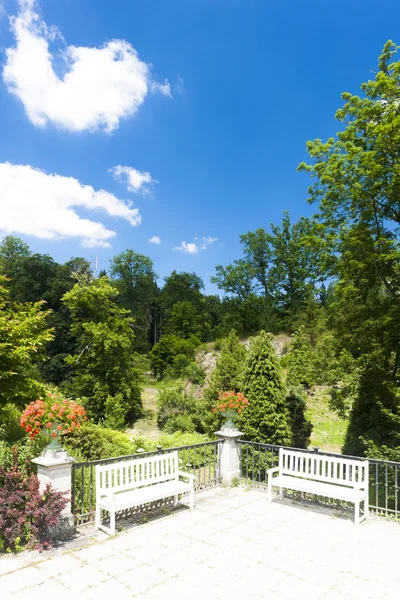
[[233, 546]]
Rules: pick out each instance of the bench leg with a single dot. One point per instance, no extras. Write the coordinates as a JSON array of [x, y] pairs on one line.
[[280, 494], [356, 513], [112, 522], [269, 491], [98, 516], [175, 500], [191, 501], [366, 509]]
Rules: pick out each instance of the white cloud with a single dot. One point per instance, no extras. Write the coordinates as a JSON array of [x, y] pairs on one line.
[[155, 239], [189, 248], [139, 182], [100, 85], [198, 244], [43, 205], [163, 88]]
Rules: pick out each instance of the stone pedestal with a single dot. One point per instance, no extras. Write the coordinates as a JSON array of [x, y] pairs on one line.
[[229, 457], [55, 468]]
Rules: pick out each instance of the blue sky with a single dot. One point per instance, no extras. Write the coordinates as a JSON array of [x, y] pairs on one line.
[[205, 125]]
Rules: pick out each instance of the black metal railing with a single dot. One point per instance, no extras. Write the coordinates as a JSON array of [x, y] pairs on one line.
[[384, 497], [201, 460]]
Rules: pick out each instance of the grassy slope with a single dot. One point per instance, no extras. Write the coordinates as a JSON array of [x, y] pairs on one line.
[[329, 430]]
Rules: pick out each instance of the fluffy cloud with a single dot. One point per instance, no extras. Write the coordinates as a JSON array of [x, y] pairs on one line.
[[163, 88], [35, 203], [139, 182], [100, 85], [155, 239], [198, 244]]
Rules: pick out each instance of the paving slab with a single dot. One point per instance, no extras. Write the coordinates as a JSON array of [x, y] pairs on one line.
[[233, 546]]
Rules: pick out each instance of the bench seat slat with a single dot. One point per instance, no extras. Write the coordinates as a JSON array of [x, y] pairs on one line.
[[319, 488], [146, 494]]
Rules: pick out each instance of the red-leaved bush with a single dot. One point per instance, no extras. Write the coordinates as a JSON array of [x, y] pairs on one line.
[[26, 514]]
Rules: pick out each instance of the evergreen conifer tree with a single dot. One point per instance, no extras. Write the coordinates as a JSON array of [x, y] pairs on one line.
[[266, 418], [226, 376], [299, 361]]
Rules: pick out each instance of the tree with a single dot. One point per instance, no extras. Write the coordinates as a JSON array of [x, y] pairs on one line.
[[23, 334], [300, 426], [375, 416], [103, 366], [135, 279], [266, 418], [357, 182], [226, 376], [297, 260], [299, 360]]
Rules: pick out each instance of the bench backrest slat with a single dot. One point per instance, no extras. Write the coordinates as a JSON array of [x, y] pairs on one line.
[[342, 471], [131, 474]]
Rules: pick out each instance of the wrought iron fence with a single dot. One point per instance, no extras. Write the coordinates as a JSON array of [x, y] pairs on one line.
[[384, 497], [202, 460]]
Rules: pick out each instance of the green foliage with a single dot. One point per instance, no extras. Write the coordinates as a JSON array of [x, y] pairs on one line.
[[104, 363], [179, 438], [23, 333], [183, 423], [176, 402], [226, 376], [93, 442], [10, 428], [134, 277], [299, 360], [300, 426], [194, 373], [375, 416], [163, 353], [266, 418]]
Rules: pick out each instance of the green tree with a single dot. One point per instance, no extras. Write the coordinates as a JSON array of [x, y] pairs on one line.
[[104, 364], [135, 279], [226, 376], [266, 418], [297, 264], [300, 426], [299, 360], [23, 335]]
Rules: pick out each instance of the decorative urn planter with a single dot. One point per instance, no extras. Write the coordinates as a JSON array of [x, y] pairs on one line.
[[230, 414], [54, 433]]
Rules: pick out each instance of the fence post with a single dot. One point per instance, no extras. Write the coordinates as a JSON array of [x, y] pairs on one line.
[[229, 454], [56, 468]]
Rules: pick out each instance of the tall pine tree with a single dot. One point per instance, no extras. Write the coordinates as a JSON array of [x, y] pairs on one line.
[[266, 418], [226, 376]]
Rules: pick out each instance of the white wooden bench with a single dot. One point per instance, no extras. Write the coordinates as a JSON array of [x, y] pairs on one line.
[[131, 483], [331, 477]]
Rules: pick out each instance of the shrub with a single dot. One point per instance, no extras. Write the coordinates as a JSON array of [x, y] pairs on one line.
[[174, 401], [25, 450], [115, 412], [179, 438], [26, 514], [194, 373], [182, 423], [93, 442], [10, 428]]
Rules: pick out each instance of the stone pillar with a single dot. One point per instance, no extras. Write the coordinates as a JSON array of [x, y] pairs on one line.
[[56, 468], [229, 454]]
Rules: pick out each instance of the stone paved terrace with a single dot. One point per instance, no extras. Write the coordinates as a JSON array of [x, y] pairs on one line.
[[233, 546]]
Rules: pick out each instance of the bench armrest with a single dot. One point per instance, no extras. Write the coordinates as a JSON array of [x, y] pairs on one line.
[[274, 470], [188, 475]]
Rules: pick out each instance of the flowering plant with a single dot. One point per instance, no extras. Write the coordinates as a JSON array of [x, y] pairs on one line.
[[231, 401], [54, 412]]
